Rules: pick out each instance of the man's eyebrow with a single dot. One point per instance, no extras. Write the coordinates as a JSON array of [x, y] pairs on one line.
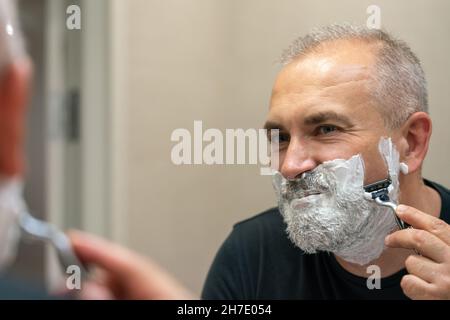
[[271, 125], [325, 116]]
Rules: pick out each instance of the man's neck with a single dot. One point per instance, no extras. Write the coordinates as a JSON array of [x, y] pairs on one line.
[[416, 194]]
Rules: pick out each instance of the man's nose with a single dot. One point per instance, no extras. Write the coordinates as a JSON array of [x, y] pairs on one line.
[[296, 161]]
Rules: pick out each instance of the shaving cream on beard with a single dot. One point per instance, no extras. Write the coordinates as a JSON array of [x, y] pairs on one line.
[[11, 204], [325, 209]]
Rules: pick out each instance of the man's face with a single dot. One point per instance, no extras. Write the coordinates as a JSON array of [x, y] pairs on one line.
[[322, 107]]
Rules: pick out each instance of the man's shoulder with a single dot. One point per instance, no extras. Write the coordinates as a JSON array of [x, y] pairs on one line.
[[271, 218], [439, 187], [445, 198], [265, 230]]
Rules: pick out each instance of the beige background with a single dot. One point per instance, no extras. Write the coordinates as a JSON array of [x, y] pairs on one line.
[[214, 61]]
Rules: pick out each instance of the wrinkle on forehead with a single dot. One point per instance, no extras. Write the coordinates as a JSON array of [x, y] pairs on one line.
[[347, 73], [319, 72]]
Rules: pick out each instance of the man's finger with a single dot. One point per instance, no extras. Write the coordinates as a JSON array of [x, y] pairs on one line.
[[423, 268], [131, 275], [416, 288], [95, 291], [420, 220], [422, 241], [107, 255]]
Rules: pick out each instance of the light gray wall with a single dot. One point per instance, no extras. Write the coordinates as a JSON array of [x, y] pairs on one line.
[[214, 61]]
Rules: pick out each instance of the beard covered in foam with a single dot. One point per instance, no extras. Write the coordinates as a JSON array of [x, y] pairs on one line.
[[326, 210]]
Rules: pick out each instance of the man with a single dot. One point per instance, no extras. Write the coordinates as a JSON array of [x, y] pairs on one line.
[[351, 108], [343, 89], [15, 74]]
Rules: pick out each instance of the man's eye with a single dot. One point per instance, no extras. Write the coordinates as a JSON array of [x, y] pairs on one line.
[[278, 138], [284, 137], [326, 129]]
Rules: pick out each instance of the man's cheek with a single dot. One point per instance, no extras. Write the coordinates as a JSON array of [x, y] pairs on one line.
[[375, 168], [281, 156]]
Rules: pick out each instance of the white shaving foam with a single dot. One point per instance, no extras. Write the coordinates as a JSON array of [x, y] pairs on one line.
[[404, 168], [326, 209]]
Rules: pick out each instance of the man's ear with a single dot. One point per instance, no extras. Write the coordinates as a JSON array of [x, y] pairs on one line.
[[416, 134], [14, 93]]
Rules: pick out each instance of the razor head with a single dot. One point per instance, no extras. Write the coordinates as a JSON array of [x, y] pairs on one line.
[[379, 189]]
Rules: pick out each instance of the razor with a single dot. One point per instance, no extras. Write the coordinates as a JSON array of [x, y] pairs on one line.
[[379, 192], [41, 230]]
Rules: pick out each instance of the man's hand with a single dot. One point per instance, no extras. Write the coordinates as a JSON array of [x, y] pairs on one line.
[[123, 273], [429, 272]]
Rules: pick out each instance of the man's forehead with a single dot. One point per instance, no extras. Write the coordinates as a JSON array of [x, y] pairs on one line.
[[321, 82], [319, 72], [330, 64]]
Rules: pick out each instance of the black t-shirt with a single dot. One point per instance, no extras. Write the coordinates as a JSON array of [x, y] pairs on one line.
[[258, 261], [13, 289]]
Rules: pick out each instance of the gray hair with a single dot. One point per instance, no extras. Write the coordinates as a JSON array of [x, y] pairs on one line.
[[11, 39], [399, 85]]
